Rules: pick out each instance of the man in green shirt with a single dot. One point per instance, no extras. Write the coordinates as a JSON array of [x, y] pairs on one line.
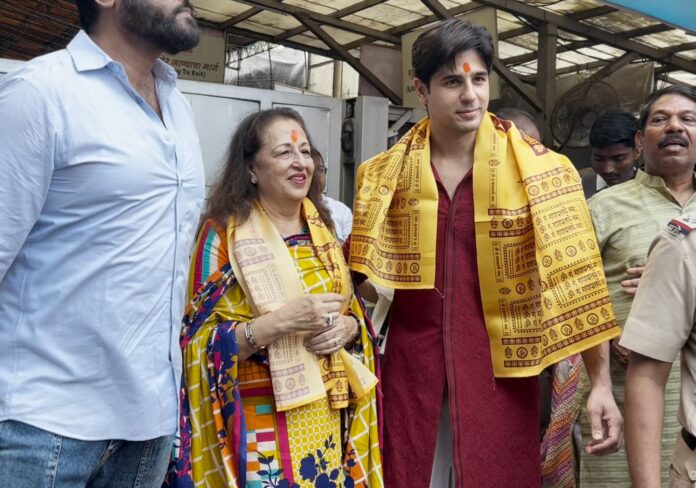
[[627, 217]]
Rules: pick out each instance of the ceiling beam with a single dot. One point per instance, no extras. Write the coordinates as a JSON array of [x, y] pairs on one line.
[[357, 7], [546, 81], [572, 69], [687, 46], [438, 9], [415, 24], [575, 45], [282, 8], [667, 67], [582, 15], [671, 80], [241, 17], [462, 9], [532, 56], [313, 26], [615, 65], [588, 31], [257, 36], [514, 81]]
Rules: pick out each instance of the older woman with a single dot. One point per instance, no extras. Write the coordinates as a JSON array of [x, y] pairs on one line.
[[279, 367]]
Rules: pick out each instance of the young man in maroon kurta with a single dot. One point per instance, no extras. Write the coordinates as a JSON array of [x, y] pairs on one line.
[[435, 359]]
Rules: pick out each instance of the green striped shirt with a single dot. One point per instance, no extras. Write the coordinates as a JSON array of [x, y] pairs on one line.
[[627, 217]]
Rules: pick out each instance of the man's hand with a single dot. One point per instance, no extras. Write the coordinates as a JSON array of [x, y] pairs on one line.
[[630, 285], [606, 420]]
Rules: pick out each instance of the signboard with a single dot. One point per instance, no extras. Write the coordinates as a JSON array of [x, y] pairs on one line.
[[205, 62], [385, 63], [679, 13], [484, 16]]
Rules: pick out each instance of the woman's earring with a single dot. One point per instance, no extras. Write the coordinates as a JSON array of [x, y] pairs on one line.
[[253, 180]]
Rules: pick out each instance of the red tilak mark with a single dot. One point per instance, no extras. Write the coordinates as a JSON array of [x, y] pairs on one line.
[[467, 68], [294, 136]]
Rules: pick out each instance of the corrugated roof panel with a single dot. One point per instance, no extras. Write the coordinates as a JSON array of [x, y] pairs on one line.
[[448, 4], [684, 77], [218, 10], [260, 28], [525, 71], [620, 21], [364, 21], [390, 15], [309, 39], [275, 20], [213, 16], [561, 63], [527, 41], [508, 17], [320, 7], [569, 6], [666, 39], [575, 57], [507, 50], [507, 22], [26, 40], [529, 65], [565, 37], [341, 36], [416, 7], [601, 51]]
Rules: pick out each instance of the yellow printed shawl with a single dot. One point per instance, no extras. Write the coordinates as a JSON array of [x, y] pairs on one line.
[[542, 282], [267, 274]]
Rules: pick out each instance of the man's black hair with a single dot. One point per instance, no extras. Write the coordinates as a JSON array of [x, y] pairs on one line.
[[683, 90], [439, 46], [614, 127], [89, 12]]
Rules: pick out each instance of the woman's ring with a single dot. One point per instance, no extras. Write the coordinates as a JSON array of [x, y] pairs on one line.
[[329, 319]]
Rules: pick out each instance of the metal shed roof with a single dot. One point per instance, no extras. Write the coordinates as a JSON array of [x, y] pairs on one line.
[[591, 35]]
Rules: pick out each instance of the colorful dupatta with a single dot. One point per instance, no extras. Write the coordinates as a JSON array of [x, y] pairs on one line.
[[228, 419]]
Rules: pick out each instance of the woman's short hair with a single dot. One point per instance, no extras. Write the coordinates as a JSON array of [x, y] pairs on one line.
[[233, 193]]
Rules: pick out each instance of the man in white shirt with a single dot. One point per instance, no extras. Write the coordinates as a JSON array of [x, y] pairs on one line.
[[101, 192]]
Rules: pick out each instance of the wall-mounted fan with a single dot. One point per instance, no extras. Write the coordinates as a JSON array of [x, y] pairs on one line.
[[578, 108]]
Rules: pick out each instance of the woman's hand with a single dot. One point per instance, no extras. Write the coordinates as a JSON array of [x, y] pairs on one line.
[[308, 313], [343, 331]]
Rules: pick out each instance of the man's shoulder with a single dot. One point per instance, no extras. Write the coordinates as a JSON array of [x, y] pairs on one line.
[[677, 238], [680, 229], [178, 98], [45, 73], [336, 206], [615, 193]]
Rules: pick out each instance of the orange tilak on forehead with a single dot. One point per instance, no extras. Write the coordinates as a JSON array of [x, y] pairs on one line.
[[466, 67], [294, 136]]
